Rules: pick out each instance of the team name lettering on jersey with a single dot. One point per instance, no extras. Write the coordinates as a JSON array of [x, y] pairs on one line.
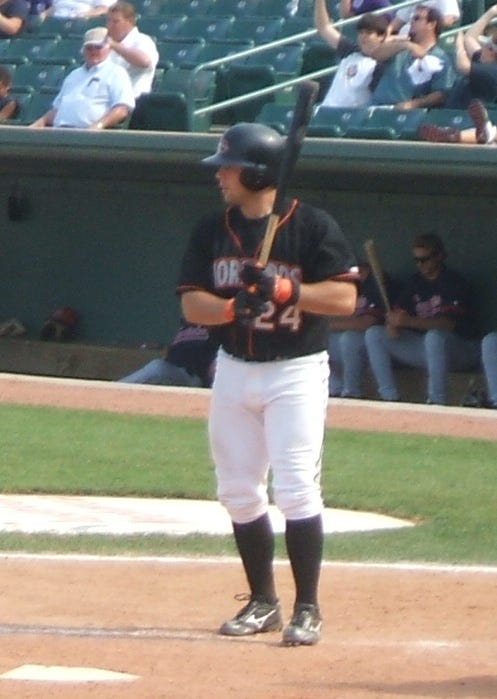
[[227, 271]]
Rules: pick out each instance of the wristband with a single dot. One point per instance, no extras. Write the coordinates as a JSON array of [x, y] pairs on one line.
[[285, 291]]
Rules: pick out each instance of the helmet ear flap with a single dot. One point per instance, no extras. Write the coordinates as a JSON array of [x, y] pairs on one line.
[[254, 178]]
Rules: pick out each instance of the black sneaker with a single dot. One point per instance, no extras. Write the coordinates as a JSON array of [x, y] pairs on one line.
[[256, 617], [304, 628]]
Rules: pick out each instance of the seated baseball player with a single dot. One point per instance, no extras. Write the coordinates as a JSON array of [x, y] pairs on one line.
[[489, 360], [189, 361], [430, 326], [346, 345]]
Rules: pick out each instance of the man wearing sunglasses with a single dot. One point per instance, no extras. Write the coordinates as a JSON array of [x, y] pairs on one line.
[[429, 327], [417, 73]]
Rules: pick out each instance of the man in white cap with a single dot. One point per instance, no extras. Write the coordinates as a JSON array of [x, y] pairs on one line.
[[131, 49], [97, 95]]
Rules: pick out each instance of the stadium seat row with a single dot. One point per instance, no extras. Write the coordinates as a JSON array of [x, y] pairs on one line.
[[366, 123]]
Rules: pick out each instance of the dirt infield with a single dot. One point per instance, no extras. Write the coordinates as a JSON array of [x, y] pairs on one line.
[[390, 631]]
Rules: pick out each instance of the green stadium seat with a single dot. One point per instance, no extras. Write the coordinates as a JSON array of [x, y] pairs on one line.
[[454, 118], [168, 111], [161, 28], [39, 103], [238, 8], [237, 80], [39, 75], [306, 8], [158, 75], [389, 124], [286, 60], [24, 50], [191, 8], [66, 51], [471, 10], [296, 25], [277, 116], [179, 52], [274, 8], [220, 48], [261, 29], [54, 27], [153, 8], [335, 122], [198, 86], [207, 28]]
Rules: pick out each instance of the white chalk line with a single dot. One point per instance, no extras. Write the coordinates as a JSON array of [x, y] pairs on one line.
[[407, 566], [188, 635]]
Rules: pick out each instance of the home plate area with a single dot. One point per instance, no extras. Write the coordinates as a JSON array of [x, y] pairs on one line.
[[99, 515]]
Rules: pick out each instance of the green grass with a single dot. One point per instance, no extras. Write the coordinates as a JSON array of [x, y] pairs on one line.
[[446, 485]]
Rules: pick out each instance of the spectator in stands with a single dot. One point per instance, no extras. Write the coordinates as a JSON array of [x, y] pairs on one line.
[[97, 95], [489, 360], [346, 345], [189, 361], [8, 104], [417, 72], [357, 71], [483, 132], [38, 11], [449, 10], [429, 327], [79, 8], [476, 63], [352, 8], [13, 14], [134, 51]]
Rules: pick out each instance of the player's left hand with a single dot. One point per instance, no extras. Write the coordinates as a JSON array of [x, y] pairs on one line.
[[270, 286]]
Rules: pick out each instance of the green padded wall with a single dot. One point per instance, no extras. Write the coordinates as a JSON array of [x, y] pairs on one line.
[[105, 216]]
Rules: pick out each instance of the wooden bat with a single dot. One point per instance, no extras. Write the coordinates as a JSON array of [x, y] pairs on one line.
[[374, 262], [308, 91]]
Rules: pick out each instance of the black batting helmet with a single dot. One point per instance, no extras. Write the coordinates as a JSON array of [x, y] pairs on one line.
[[256, 148]]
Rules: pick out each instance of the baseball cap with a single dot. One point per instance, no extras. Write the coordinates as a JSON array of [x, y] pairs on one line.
[[488, 41], [95, 37]]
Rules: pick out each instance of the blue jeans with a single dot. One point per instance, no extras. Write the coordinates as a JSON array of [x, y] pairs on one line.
[[489, 360], [437, 351], [160, 372], [348, 360]]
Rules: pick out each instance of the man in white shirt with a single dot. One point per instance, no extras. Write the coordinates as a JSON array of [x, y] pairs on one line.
[[134, 51], [97, 95], [357, 71]]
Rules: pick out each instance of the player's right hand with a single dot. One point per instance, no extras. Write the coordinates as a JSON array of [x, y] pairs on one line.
[[248, 306]]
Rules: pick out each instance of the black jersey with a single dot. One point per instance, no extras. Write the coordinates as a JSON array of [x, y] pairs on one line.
[[448, 295], [309, 246]]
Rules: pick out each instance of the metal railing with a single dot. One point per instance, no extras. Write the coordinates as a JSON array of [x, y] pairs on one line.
[[301, 36]]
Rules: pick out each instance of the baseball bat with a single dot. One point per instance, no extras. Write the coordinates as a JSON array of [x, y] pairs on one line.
[[302, 113], [374, 262]]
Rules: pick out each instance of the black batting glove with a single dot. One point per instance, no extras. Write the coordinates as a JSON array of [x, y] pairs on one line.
[[260, 278], [248, 306], [270, 286]]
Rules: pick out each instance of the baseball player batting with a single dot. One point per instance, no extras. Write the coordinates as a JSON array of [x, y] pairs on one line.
[[270, 391]]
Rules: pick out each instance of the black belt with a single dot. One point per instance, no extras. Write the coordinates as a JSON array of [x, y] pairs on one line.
[[263, 357]]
